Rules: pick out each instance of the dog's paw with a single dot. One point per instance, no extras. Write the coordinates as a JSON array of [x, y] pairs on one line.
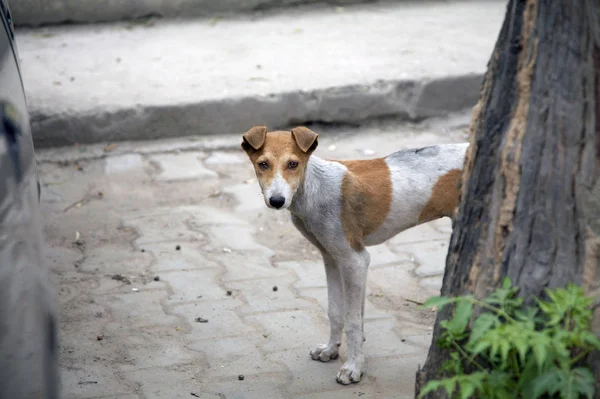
[[351, 372], [325, 352]]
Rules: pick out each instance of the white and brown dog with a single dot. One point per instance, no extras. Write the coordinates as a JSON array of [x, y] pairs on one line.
[[344, 206]]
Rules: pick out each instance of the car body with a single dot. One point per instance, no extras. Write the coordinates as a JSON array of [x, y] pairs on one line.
[[28, 312]]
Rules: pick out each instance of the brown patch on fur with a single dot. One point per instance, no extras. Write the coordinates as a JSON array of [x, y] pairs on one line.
[[444, 197], [366, 198]]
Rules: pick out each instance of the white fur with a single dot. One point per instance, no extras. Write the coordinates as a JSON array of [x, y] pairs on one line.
[[316, 210], [279, 187]]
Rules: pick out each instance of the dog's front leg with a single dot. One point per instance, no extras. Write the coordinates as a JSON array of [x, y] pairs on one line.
[[354, 276], [335, 305], [335, 311]]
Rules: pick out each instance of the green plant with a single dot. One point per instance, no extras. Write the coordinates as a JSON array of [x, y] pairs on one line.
[[514, 351]]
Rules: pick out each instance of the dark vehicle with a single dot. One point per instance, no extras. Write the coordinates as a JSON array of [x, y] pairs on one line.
[[28, 315]]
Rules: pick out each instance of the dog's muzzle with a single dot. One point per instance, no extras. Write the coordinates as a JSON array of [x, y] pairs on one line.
[[277, 202]]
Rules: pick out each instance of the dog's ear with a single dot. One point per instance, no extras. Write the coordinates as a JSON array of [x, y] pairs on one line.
[[254, 138], [306, 139]]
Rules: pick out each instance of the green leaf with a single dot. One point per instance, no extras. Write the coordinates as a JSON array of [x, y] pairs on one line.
[[449, 384], [591, 339], [482, 325], [540, 344], [545, 383], [582, 382], [437, 302], [467, 389], [506, 283], [480, 347], [469, 383], [522, 348], [504, 349], [498, 385], [462, 315], [430, 387]]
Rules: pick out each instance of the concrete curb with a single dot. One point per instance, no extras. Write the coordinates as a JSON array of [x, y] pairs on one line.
[[42, 12], [405, 100]]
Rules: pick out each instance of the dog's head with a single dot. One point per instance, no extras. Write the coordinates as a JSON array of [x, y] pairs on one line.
[[280, 160]]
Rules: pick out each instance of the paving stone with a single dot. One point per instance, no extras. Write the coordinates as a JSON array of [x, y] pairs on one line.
[[171, 382], [222, 351], [243, 265], [443, 225], [395, 282], [223, 320], [225, 158], [182, 166], [248, 365], [290, 330], [308, 375], [168, 258], [141, 309], [126, 163], [382, 341], [421, 233], [433, 284], [248, 196], [257, 386], [203, 216], [310, 274], [431, 257], [395, 375], [422, 340], [92, 380], [115, 259], [237, 238], [382, 255], [155, 226], [361, 390], [149, 351], [260, 297], [193, 285]]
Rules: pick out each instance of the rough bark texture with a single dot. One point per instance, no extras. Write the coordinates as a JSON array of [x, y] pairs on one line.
[[530, 194]]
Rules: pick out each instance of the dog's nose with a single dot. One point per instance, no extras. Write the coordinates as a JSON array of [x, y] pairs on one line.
[[277, 202]]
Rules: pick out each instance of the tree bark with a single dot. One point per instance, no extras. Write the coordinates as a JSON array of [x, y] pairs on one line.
[[530, 192]]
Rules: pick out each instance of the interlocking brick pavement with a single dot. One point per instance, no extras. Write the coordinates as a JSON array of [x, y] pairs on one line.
[[145, 238]]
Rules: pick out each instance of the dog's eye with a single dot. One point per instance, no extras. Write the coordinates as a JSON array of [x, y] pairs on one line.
[[263, 165], [293, 165]]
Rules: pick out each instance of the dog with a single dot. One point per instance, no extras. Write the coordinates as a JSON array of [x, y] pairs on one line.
[[342, 207]]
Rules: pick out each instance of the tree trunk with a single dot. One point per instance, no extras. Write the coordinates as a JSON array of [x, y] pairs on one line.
[[530, 193]]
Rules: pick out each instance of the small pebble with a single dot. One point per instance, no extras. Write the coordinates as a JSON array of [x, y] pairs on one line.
[[143, 250], [403, 340], [229, 293], [156, 278], [135, 289], [241, 377], [275, 288], [227, 250], [100, 337], [201, 320], [178, 248]]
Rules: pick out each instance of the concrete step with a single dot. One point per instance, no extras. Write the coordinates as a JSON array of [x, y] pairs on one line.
[[43, 12], [176, 78]]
